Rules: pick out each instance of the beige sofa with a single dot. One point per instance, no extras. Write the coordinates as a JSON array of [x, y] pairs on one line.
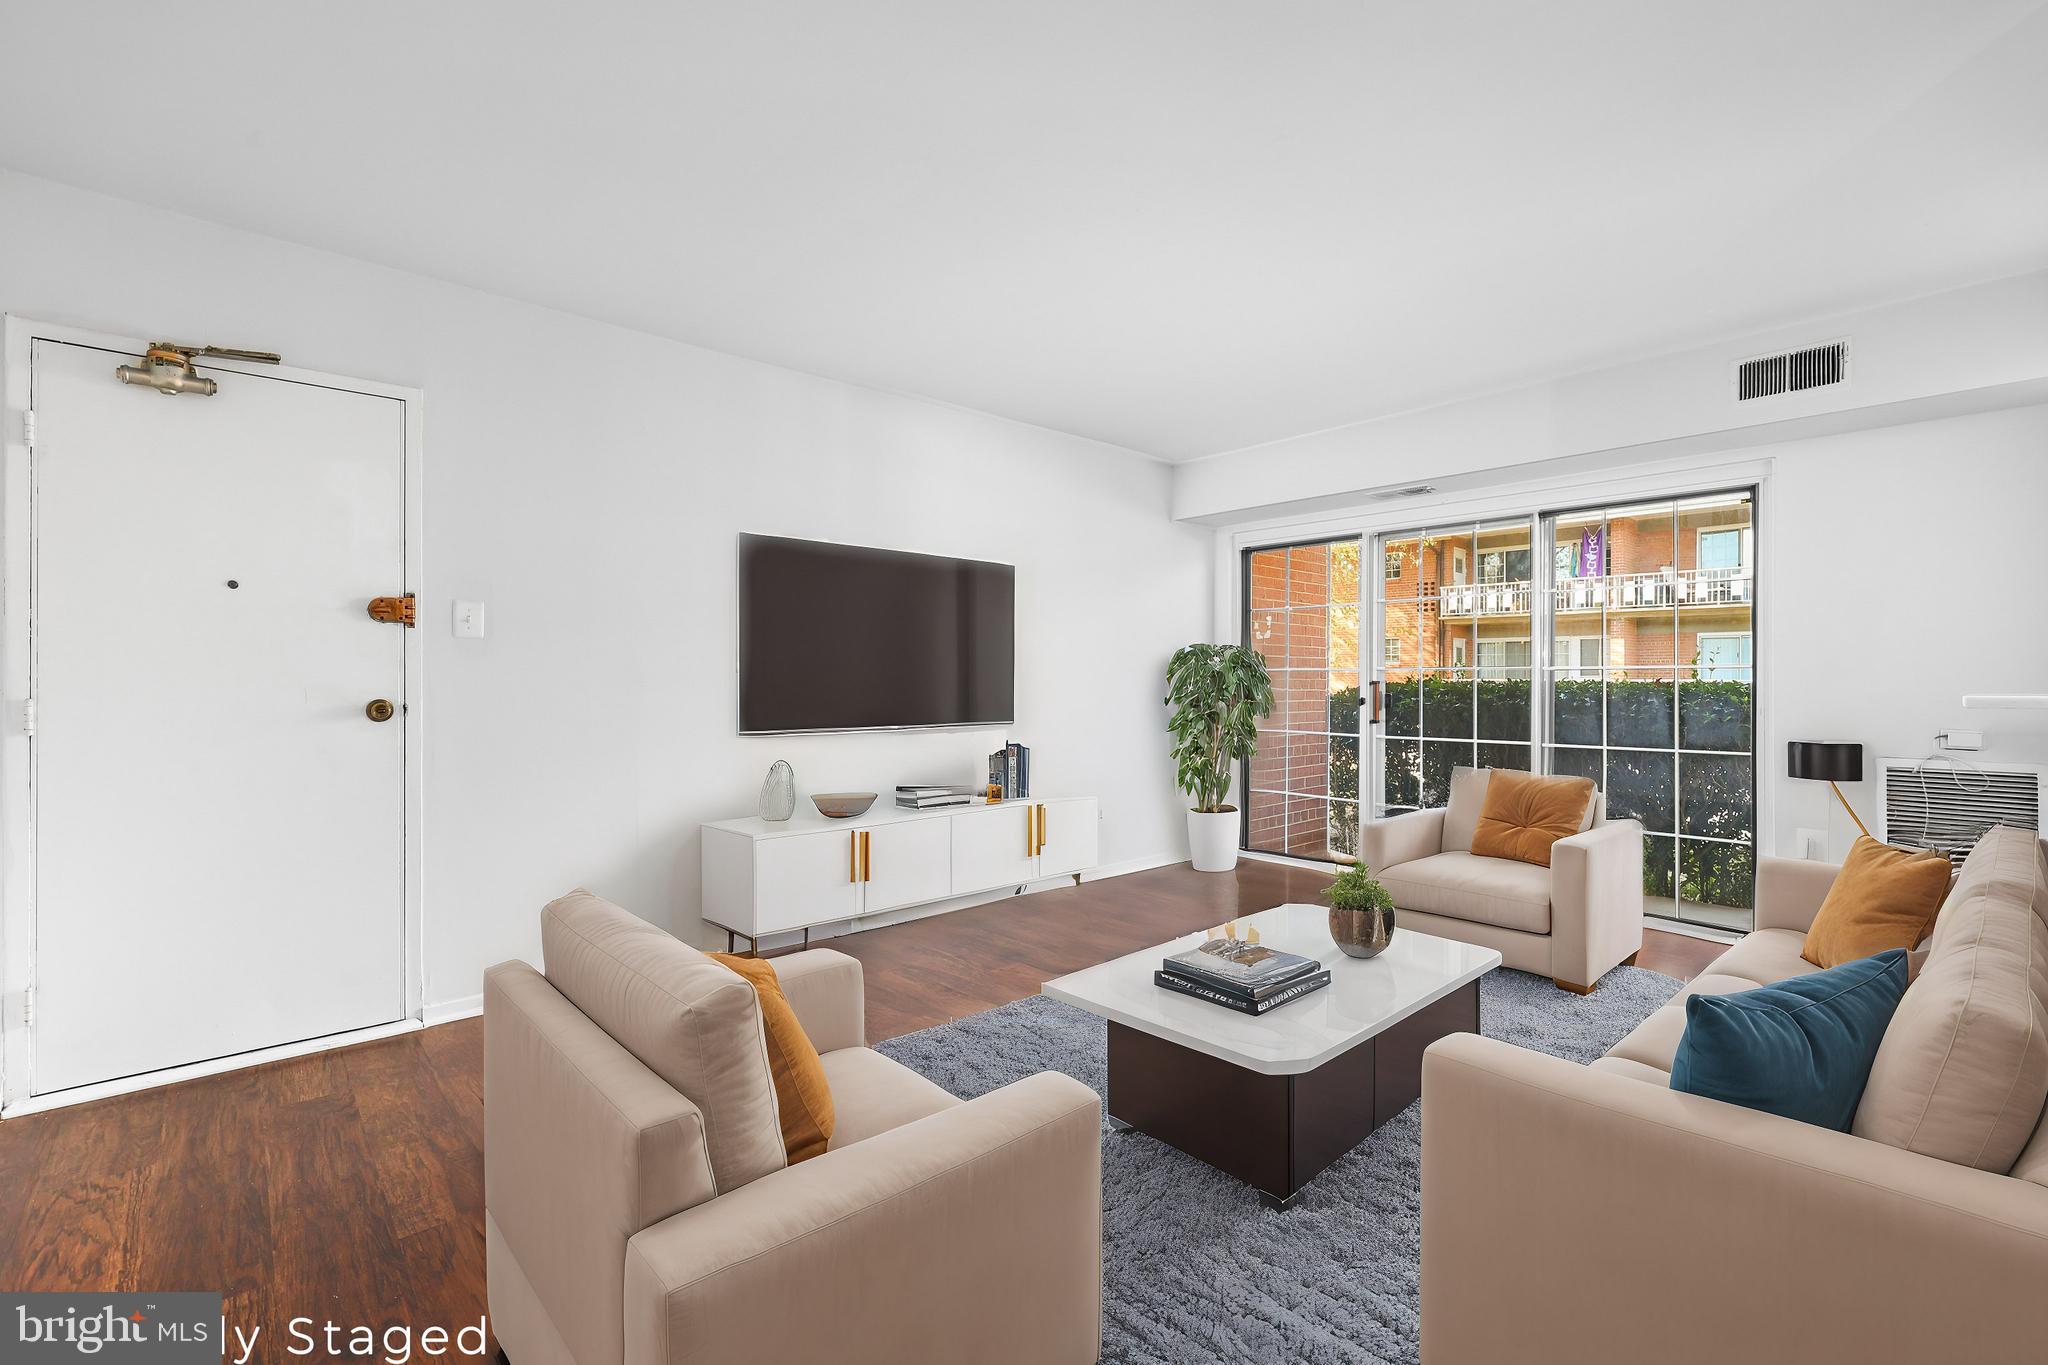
[[629, 1222], [1573, 921], [1592, 1214]]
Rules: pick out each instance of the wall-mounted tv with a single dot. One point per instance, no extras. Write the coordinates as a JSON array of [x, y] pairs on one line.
[[842, 637]]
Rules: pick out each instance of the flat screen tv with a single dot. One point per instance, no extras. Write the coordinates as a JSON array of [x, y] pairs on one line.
[[841, 637]]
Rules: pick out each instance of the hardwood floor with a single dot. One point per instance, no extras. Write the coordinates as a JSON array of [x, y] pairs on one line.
[[950, 966], [348, 1185]]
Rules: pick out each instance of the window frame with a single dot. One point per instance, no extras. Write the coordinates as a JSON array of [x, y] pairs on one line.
[[1679, 483]]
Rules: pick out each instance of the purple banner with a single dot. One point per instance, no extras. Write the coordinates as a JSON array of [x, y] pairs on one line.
[[1592, 553]]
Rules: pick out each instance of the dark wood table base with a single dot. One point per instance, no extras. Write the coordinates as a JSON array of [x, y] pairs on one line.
[[1276, 1133]]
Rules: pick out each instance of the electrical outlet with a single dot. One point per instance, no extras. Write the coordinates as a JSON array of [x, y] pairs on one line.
[[1960, 739], [1813, 845]]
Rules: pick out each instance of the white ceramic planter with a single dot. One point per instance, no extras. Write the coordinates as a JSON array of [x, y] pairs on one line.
[[1212, 840]]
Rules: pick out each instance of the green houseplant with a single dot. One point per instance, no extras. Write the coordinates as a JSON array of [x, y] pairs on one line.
[[1361, 912], [1219, 694]]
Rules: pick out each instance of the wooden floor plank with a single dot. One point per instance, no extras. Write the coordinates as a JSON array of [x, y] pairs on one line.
[[349, 1184]]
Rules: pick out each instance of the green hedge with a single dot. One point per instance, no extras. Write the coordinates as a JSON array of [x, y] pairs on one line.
[[1717, 796]]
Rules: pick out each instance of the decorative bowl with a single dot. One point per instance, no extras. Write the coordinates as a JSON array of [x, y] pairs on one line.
[[842, 805]]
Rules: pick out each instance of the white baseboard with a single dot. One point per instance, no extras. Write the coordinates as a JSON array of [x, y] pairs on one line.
[[1130, 865], [448, 1011], [149, 1080], [1288, 860], [1713, 933]]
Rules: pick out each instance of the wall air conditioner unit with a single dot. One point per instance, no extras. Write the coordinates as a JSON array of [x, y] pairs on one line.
[[1939, 804]]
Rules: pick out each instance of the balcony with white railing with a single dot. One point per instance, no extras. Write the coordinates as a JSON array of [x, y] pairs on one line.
[[1720, 587], [1484, 599]]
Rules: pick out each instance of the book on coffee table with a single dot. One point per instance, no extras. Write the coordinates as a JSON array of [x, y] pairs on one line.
[[1248, 970], [1292, 990]]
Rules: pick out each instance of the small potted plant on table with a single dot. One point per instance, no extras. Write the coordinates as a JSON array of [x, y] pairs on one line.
[[1219, 694], [1361, 912]]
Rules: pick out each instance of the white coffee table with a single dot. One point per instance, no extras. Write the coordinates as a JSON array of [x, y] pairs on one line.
[[1273, 1099]]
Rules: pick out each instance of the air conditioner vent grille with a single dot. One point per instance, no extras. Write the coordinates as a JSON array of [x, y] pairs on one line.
[[1791, 371], [1939, 805]]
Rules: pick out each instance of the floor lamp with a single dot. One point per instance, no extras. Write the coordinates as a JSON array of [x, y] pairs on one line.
[[1829, 763]]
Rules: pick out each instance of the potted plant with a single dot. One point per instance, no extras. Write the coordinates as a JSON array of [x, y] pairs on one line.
[[1218, 693], [1361, 912]]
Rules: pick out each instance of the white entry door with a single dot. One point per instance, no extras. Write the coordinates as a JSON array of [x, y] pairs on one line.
[[218, 823]]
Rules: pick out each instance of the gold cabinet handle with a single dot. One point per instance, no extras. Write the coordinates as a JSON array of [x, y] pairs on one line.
[[866, 852], [1042, 839], [853, 855]]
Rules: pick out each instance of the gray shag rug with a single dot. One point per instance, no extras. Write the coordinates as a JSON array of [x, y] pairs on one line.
[[1195, 1268]]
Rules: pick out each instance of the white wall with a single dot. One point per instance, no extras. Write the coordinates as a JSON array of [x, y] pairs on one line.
[[1955, 350], [586, 482], [1906, 568]]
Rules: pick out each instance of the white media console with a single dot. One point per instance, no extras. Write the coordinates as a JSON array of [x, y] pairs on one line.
[[769, 877]]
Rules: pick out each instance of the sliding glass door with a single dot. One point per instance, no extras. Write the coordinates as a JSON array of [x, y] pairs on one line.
[[1636, 620], [1453, 648], [1660, 710], [1302, 615]]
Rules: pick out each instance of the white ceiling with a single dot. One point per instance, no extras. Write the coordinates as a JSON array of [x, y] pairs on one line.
[[1181, 227]]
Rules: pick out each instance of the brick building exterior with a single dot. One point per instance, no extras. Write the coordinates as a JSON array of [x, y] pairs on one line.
[[1653, 593]]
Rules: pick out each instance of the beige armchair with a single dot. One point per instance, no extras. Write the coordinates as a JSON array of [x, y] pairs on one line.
[[1573, 921], [931, 1230]]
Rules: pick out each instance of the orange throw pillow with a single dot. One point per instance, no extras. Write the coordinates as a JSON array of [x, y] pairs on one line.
[[1525, 814], [1883, 898], [801, 1092]]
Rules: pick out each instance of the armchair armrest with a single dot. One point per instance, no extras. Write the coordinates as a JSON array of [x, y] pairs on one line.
[[1596, 902], [584, 1146], [971, 1234], [1402, 839], [1626, 1221], [824, 988], [1789, 892]]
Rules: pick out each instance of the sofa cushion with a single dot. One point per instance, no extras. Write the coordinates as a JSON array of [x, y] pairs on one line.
[[1497, 891], [1963, 1072], [1525, 814], [2033, 1158], [1765, 956], [1884, 897], [803, 1097], [1800, 1049], [688, 1019], [1635, 1071], [1461, 812], [1654, 1042], [873, 1094]]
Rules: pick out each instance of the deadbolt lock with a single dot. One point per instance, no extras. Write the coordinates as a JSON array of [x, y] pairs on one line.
[[397, 611], [380, 710]]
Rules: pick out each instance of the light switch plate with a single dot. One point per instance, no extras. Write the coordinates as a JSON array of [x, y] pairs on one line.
[[469, 620]]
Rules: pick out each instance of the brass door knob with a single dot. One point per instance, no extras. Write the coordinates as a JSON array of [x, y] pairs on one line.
[[380, 710]]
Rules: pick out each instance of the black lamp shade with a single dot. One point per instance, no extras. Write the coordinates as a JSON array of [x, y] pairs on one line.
[[1824, 762]]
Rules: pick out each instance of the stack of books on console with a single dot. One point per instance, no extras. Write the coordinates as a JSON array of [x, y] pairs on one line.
[[931, 798], [1241, 974]]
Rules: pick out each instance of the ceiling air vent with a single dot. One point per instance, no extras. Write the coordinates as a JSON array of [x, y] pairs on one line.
[[1815, 367], [1412, 491]]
